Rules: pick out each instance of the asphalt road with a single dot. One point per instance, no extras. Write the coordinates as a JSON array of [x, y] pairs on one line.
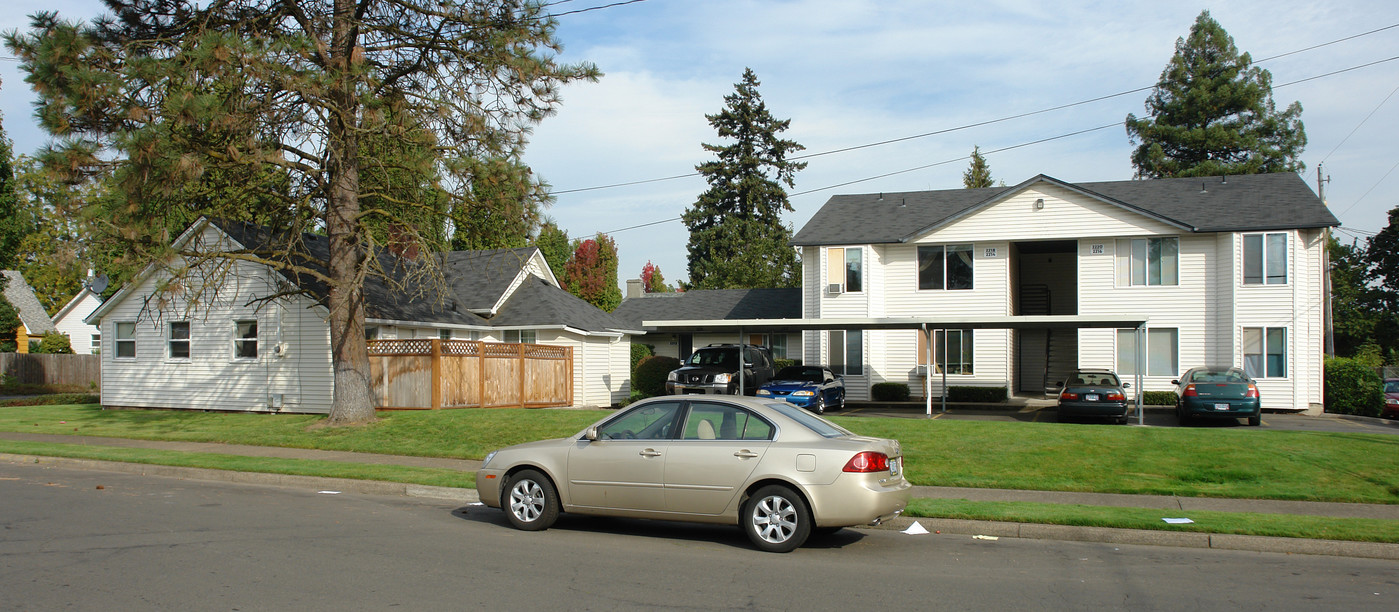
[[1155, 417], [97, 540]]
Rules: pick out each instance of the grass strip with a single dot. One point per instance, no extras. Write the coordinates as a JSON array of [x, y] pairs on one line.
[[1235, 523], [238, 463]]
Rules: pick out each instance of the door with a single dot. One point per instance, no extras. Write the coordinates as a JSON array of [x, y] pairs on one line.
[[720, 446], [625, 467]]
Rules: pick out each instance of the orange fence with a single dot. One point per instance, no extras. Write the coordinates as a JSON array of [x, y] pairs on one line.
[[433, 374]]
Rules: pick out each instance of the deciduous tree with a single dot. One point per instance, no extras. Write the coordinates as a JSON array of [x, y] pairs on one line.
[[591, 273], [1212, 113], [284, 105], [737, 236], [652, 281]]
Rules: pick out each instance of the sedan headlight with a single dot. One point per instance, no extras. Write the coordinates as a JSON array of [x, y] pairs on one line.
[[722, 378], [767, 393], [803, 393], [489, 456], [671, 377], [1392, 401]]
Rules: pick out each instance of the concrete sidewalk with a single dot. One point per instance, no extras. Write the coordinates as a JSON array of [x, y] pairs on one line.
[[1170, 505]]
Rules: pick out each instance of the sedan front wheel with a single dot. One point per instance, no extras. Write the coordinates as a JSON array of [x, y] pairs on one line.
[[776, 519], [531, 503]]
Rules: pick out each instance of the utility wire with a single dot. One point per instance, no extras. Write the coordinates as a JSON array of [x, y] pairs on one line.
[[1358, 125], [1367, 191]]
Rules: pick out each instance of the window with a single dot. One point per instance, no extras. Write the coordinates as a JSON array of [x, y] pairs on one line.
[[444, 334], [650, 422], [958, 346], [523, 336], [721, 422], [843, 268], [1162, 356], [777, 343], [178, 339], [945, 267], [126, 340], [1148, 261], [245, 339], [97, 344], [1265, 352], [1265, 259], [846, 349], [371, 333]]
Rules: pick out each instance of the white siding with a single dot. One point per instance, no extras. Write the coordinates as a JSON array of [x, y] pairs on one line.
[[70, 322]]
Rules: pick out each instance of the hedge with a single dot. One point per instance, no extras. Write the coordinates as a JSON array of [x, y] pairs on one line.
[[889, 392], [1159, 398], [976, 394], [1353, 387], [651, 373]]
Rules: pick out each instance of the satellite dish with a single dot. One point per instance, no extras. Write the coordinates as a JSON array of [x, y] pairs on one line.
[[99, 284]]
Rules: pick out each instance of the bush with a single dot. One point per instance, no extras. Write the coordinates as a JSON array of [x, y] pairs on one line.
[[778, 364], [889, 392], [53, 400], [1159, 398], [1353, 387], [649, 379], [55, 344], [639, 352], [976, 394]]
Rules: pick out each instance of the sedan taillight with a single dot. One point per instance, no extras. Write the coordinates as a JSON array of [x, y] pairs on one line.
[[1114, 396], [1190, 391], [867, 461], [1252, 391], [1068, 396]]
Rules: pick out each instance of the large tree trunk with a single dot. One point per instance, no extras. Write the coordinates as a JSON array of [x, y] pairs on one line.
[[349, 355]]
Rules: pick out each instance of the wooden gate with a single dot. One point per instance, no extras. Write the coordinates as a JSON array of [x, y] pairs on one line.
[[433, 374]]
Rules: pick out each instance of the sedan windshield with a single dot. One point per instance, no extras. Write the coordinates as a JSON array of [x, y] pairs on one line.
[[799, 373], [822, 427], [1391, 386]]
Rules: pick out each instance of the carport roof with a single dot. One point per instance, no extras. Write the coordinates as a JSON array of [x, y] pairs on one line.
[[795, 325]]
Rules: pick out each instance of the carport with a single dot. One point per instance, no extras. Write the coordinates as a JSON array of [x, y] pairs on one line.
[[927, 325]]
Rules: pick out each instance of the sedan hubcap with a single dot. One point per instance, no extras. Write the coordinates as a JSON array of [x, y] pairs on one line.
[[526, 500], [775, 519]]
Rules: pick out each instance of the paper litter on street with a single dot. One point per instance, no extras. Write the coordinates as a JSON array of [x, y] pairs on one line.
[[915, 529], [984, 537], [1177, 521], [329, 492]]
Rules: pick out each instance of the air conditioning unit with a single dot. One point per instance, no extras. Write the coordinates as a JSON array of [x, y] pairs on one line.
[[834, 288]]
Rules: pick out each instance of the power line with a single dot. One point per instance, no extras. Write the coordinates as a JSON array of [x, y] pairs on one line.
[[1367, 191], [1358, 125]]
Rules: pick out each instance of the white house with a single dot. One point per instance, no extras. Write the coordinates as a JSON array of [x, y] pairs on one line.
[[1227, 270], [259, 340], [69, 321]]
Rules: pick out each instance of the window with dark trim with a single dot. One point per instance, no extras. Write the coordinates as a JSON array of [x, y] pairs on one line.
[[945, 267]]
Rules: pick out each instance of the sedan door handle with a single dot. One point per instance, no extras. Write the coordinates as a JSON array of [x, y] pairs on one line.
[[745, 454], [650, 452]]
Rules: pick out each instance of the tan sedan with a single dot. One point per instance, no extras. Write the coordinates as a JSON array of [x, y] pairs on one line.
[[772, 468]]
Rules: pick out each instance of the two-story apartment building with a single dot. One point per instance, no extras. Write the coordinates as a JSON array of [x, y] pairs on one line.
[[1228, 270]]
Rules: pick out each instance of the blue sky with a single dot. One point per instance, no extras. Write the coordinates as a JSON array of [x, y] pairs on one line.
[[853, 72]]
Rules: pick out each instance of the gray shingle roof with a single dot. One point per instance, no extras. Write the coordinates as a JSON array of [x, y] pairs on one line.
[[31, 313], [1236, 203], [479, 278], [537, 303], [712, 304]]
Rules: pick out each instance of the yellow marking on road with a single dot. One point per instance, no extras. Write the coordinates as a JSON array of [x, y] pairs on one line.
[[939, 415], [1037, 417]]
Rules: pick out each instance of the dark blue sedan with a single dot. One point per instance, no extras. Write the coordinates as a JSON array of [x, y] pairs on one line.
[[1220, 392], [814, 388]]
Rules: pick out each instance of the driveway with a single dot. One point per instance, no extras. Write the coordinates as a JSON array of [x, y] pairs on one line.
[[1156, 416]]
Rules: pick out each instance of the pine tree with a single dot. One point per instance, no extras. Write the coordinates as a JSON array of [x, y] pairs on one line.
[[14, 223], [978, 175], [737, 237], [1382, 274], [307, 116], [1212, 114]]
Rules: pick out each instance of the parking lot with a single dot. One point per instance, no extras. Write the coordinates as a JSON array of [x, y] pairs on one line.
[[1043, 411]]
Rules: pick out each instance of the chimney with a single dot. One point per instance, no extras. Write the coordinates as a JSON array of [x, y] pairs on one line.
[[634, 288]]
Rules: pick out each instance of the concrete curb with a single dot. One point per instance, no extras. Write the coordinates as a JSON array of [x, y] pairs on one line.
[[369, 487], [1147, 537]]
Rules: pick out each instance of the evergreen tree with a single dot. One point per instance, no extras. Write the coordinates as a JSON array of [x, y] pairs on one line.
[[14, 224], [1352, 314], [285, 104], [1382, 262], [1212, 114], [979, 174], [505, 203], [557, 249], [592, 273], [737, 237]]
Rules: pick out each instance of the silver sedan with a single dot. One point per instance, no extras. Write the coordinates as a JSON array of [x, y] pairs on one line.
[[777, 471]]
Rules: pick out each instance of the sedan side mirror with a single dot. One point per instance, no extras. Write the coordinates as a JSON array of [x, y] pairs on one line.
[[1059, 384], [1126, 385], [590, 434], [1175, 382]]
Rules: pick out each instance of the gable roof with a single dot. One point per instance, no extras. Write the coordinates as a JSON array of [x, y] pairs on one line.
[[1211, 204], [31, 313], [538, 303], [72, 305], [482, 280], [711, 304]]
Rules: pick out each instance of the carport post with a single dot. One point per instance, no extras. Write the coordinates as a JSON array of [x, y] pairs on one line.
[[1140, 368], [927, 369], [741, 361], [944, 370]]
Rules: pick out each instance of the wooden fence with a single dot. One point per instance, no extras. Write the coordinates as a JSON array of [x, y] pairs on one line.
[[434, 374], [35, 369]]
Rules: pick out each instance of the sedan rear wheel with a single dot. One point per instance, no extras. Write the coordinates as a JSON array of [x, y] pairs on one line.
[[531, 503], [776, 519]]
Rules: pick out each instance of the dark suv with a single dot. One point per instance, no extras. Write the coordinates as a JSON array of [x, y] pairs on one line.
[[714, 370]]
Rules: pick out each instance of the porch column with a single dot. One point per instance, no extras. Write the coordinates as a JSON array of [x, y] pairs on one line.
[[1140, 370], [927, 369]]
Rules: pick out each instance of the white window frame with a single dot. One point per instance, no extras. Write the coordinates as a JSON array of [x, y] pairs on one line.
[[240, 341], [1265, 278], [127, 341], [444, 334], [842, 256], [96, 343], [777, 345], [1128, 257], [521, 336], [965, 359], [171, 341], [838, 345], [1261, 352], [947, 250], [1129, 369]]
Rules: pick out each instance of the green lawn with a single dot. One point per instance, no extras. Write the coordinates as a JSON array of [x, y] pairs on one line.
[[1206, 462]]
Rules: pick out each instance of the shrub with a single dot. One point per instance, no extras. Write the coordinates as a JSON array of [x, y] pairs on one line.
[[1159, 398], [650, 375], [639, 352], [889, 392], [976, 394], [778, 364], [53, 344], [1352, 387]]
